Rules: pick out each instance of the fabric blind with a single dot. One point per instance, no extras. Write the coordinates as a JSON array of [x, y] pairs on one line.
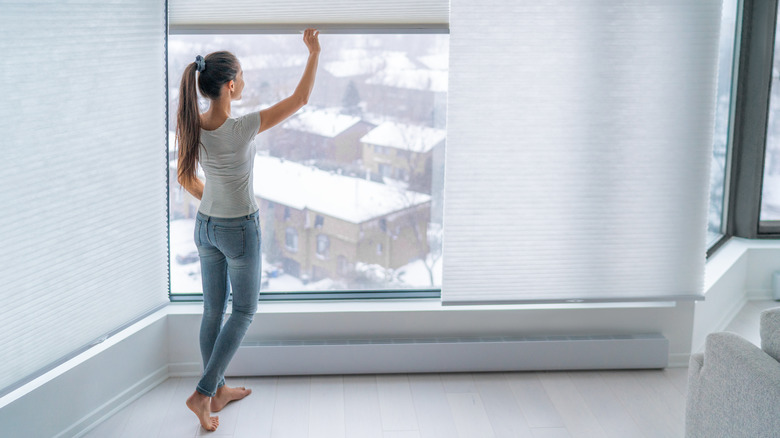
[[578, 151], [272, 15], [83, 175]]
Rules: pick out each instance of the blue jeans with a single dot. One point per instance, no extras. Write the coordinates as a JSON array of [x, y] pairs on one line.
[[229, 250]]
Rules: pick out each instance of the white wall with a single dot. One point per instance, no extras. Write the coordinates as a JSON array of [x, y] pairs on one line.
[[92, 385]]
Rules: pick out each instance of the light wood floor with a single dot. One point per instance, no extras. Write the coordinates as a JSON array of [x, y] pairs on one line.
[[620, 404]]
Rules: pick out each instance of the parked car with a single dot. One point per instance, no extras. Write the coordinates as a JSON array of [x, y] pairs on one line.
[[185, 259]]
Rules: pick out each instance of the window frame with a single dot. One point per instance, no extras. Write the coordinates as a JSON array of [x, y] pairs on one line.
[[745, 184], [768, 228], [726, 229], [370, 294]]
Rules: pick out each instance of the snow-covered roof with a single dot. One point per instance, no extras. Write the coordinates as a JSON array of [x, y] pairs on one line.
[[439, 61], [413, 79], [324, 122], [408, 137], [354, 200]]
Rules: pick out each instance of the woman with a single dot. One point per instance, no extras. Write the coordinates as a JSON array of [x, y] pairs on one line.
[[227, 231]]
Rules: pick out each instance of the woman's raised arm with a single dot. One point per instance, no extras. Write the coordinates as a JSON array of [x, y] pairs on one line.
[[275, 114]]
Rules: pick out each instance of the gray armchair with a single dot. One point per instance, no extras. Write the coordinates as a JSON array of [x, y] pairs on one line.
[[734, 386]]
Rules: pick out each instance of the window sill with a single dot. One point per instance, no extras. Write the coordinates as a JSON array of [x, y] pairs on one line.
[[408, 305], [729, 254]]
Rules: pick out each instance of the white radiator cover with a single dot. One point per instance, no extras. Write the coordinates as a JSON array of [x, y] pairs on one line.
[[427, 355]]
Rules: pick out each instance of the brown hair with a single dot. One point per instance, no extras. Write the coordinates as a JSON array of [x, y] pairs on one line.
[[217, 69]]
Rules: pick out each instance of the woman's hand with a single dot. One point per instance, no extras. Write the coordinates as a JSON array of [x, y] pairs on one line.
[[310, 39]]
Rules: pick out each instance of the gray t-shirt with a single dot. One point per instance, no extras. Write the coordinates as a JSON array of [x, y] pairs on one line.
[[227, 155]]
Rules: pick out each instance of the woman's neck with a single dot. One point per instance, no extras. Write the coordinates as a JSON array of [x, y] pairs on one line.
[[215, 116], [219, 108]]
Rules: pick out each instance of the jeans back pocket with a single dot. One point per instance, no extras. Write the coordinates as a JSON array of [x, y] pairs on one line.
[[230, 240]]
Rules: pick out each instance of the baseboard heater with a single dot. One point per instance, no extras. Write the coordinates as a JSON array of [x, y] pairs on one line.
[[425, 355]]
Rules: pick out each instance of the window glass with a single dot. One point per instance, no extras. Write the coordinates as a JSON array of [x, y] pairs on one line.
[[722, 121], [770, 193], [323, 243], [363, 158], [291, 239]]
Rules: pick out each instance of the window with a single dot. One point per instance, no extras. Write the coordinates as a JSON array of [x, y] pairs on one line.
[[343, 265], [385, 170], [291, 239], [723, 117], [770, 194], [323, 243], [319, 160]]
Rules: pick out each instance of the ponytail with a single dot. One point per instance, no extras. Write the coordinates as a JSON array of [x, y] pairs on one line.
[[216, 69], [188, 128]]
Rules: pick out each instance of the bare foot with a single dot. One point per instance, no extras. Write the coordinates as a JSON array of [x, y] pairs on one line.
[[199, 404], [226, 395]]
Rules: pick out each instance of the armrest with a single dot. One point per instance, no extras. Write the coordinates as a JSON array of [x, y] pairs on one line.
[[736, 392], [695, 365], [770, 332]]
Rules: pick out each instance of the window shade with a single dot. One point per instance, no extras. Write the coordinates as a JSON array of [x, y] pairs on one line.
[[272, 15], [83, 175], [578, 150]]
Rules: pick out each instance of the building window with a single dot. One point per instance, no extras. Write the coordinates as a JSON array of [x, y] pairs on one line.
[[379, 249], [323, 244], [316, 161], [342, 265], [385, 170], [291, 239]]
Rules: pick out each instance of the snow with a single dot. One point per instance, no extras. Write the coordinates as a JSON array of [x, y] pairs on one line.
[[325, 122], [353, 200], [184, 278], [413, 79], [770, 199], [439, 61], [171, 141], [407, 137], [416, 274]]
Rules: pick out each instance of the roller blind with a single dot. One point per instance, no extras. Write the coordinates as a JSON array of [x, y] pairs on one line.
[[269, 15], [83, 175], [578, 150]]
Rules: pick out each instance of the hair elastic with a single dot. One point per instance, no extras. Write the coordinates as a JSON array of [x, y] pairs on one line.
[[200, 63]]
